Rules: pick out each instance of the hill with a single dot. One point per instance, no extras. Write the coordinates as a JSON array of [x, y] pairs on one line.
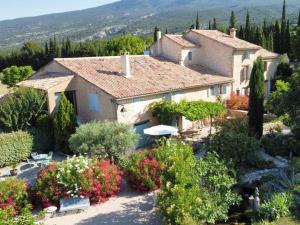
[[136, 17]]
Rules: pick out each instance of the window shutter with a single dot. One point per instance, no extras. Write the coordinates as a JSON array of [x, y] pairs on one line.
[[94, 102]]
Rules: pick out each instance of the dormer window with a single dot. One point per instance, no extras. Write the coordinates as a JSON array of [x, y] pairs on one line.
[[246, 55], [190, 56]]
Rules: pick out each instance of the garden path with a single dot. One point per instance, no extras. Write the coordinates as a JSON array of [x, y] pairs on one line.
[[128, 208]]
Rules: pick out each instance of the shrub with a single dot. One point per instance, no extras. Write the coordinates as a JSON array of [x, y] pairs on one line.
[[236, 148], [19, 110], [199, 191], [277, 144], [13, 196], [13, 75], [278, 206], [164, 111], [107, 140], [15, 147], [75, 177], [143, 171], [64, 124], [238, 102], [25, 217]]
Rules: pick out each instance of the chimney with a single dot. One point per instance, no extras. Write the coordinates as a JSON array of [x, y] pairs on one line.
[[233, 33], [158, 35], [125, 63]]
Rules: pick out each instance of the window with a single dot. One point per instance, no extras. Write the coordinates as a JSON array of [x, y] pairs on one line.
[[217, 90], [168, 97], [224, 88], [246, 55], [212, 91], [94, 102], [190, 55]]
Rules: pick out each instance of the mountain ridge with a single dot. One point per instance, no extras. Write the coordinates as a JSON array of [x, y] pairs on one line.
[[136, 17]]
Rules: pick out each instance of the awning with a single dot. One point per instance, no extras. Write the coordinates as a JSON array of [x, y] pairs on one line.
[[161, 130]]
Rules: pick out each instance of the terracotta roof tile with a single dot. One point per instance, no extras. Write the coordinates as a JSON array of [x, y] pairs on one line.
[[225, 39], [179, 39], [149, 75]]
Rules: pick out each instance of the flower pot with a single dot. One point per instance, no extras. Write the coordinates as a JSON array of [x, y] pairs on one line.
[[14, 172]]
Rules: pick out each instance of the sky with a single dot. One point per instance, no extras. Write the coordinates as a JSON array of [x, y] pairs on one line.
[[11, 9]]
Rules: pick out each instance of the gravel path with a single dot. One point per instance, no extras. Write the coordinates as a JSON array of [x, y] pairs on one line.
[[127, 208]]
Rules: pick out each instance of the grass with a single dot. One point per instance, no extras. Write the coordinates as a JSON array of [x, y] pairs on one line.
[[288, 221]]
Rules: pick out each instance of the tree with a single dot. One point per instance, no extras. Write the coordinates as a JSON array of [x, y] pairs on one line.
[[297, 43], [232, 23], [288, 38], [283, 30], [107, 140], [155, 34], [248, 27], [64, 123], [256, 98], [197, 22], [209, 25], [283, 17], [128, 43], [298, 20], [20, 110], [215, 26], [270, 42], [277, 38], [241, 33], [13, 75]]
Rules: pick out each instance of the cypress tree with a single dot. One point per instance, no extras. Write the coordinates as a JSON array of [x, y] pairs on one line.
[[155, 34], [288, 38], [298, 24], [232, 23], [68, 48], [166, 32], [209, 25], [46, 49], [270, 42], [256, 99], [283, 17], [64, 123], [197, 22], [248, 27], [241, 32], [283, 30], [277, 35], [215, 26], [297, 44]]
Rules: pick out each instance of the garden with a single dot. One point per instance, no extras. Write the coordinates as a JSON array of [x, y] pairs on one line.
[[245, 174]]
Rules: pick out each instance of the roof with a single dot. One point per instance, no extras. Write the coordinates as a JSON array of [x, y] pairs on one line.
[[179, 39], [267, 54], [46, 81], [225, 39], [149, 75]]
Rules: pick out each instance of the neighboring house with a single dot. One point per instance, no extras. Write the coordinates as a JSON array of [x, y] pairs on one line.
[[225, 54], [121, 88]]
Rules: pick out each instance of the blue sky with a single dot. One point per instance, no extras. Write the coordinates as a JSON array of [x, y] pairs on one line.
[[11, 9]]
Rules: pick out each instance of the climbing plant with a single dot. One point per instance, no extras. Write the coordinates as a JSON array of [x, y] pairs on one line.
[[165, 111]]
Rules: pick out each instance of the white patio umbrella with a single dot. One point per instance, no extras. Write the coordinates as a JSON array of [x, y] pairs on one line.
[[161, 130]]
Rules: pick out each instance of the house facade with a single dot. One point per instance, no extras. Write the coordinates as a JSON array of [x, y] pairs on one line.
[[225, 54], [121, 88]]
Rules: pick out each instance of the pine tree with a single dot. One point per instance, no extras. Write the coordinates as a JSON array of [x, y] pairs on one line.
[[256, 99], [209, 25], [197, 22], [215, 26], [277, 42], [64, 123], [232, 23], [248, 27]]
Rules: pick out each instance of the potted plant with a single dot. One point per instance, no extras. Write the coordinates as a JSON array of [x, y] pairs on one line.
[[14, 170]]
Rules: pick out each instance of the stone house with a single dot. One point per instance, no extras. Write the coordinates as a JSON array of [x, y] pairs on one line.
[[121, 88]]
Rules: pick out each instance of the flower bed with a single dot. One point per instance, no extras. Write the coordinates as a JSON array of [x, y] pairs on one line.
[[238, 102], [13, 196], [78, 177], [143, 171]]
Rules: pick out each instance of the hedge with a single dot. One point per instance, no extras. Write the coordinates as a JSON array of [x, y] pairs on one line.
[[15, 147]]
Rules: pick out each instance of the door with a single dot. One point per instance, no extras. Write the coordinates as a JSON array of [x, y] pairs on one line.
[[144, 140]]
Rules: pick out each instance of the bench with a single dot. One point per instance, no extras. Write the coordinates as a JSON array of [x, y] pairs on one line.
[[73, 204]]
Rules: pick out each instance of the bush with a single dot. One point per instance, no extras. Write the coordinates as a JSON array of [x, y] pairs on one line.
[[64, 124], [279, 205], [277, 144], [15, 147], [199, 191], [236, 148], [19, 111], [43, 135], [13, 75], [107, 140], [75, 177], [143, 171], [238, 102], [13, 197]]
